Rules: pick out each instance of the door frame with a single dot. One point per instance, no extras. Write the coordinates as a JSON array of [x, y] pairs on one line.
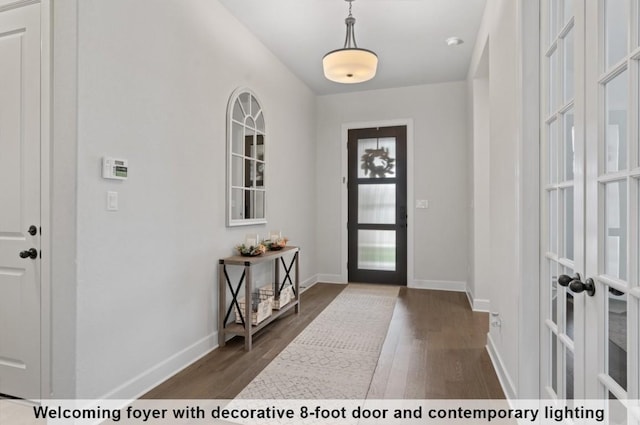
[[344, 201], [46, 386]]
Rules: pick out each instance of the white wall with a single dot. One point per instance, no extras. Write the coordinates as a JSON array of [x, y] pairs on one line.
[[63, 201], [511, 213], [479, 280], [154, 80], [439, 114]]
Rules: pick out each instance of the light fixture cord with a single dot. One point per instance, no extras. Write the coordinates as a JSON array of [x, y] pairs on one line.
[[350, 39]]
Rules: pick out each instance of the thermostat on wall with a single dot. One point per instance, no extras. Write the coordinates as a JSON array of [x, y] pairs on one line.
[[113, 168]]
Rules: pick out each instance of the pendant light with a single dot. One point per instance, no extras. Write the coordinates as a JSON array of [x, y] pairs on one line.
[[350, 64]]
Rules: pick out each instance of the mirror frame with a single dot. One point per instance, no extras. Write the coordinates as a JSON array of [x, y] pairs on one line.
[[257, 129]]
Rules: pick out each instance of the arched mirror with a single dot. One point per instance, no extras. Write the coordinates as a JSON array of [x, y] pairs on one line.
[[246, 190]]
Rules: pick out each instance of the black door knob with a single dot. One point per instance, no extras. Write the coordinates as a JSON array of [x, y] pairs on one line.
[[33, 230], [30, 253], [589, 285], [564, 280]]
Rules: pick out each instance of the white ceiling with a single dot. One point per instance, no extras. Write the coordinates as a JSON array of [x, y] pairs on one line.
[[407, 35]]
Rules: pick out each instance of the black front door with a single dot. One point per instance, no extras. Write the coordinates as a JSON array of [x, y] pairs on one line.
[[377, 186]]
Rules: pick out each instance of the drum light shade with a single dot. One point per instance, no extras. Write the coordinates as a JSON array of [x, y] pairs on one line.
[[350, 64]]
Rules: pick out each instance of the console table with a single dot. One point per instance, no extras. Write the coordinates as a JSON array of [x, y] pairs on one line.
[[246, 329]]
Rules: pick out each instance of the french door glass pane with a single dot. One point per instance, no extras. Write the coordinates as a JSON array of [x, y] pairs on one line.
[[568, 323], [553, 269], [569, 375], [377, 250], [568, 67], [569, 144], [375, 154], [615, 15], [554, 19], [617, 99], [615, 232], [554, 81], [617, 411], [552, 154], [554, 362], [377, 203], [617, 331], [567, 6], [567, 195], [553, 221]]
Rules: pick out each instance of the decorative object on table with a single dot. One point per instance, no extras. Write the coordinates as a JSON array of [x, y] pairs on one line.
[[277, 244], [251, 251]]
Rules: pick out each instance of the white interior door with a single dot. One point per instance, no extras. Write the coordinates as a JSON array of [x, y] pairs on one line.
[[562, 198], [613, 172], [591, 172], [20, 289]]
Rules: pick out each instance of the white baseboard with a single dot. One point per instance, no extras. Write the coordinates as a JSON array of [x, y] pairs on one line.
[[478, 304], [481, 305], [501, 370], [331, 278], [308, 283], [152, 377], [439, 285]]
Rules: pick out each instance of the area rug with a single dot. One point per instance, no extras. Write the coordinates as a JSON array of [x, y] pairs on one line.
[[335, 356]]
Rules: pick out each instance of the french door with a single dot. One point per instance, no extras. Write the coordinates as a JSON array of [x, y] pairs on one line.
[[590, 201], [377, 200]]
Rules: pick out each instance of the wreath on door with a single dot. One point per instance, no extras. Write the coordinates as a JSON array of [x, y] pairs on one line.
[[377, 162]]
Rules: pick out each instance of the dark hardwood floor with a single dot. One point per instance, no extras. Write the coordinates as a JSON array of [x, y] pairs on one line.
[[434, 349]]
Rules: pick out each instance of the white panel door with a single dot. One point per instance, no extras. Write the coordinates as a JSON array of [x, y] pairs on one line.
[[20, 290]]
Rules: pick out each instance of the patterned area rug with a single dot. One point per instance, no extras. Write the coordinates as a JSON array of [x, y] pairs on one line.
[[336, 355]]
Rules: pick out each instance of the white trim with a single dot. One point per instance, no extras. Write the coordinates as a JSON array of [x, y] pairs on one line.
[[308, 283], [503, 376], [478, 304], [528, 196], [331, 278], [439, 285], [155, 375], [46, 385], [344, 237]]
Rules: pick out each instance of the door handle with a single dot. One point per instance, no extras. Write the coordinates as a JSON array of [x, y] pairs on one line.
[[30, 253], [589, 285], [564, 280]]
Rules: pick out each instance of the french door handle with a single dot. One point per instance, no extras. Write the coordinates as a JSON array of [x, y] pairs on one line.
[[565, 280], [589, 285]]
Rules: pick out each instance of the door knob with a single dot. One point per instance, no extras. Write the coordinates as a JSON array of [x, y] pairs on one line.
[[33, 230], [589, 285], [565, 280], [30, 253]]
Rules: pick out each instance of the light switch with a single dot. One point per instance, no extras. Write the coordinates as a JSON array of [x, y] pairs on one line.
[[112, 201], [422, 204]]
